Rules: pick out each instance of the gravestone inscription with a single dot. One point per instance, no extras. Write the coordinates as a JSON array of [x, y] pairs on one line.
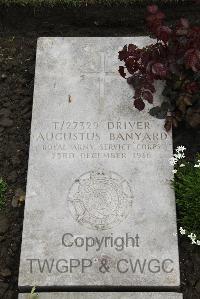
[[100, 210]]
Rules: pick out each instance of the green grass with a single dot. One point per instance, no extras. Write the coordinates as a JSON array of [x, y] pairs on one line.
[[3, 188], [187, 190], [77, 3], [33, 294]]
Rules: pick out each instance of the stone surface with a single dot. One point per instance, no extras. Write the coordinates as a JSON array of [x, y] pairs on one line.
[[101, 295], [99, 206]]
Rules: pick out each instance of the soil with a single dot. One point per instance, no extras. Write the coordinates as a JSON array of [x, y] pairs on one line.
[[19, 29]]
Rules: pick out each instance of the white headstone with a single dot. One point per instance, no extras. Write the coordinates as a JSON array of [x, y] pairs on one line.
[[101, 295], [100, 210]]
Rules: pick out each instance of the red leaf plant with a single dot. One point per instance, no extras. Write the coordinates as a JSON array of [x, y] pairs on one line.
[[175, 59]]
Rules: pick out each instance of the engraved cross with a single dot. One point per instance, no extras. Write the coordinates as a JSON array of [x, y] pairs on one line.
[[102, 74]]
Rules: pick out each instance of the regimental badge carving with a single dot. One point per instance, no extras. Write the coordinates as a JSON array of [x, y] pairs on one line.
[[100, 200]]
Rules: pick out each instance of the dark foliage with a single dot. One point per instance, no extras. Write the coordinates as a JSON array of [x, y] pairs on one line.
[[175, 59]]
